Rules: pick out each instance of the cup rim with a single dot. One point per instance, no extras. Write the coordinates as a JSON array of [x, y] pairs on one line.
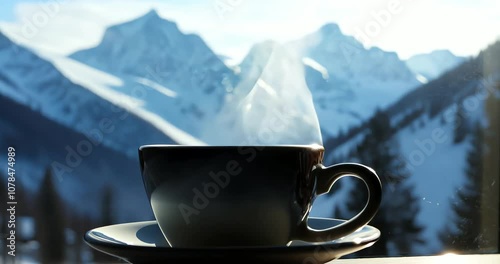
[[171, 146]]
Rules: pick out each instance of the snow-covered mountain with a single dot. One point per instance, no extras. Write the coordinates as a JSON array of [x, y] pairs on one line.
[[35, 82], [347, 81], [188, 80], [190, 87], [431, 65]]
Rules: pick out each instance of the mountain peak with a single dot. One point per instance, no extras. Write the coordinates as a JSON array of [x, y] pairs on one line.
[[439, 53], [152, 14], [148, 24], [330, 28], [431, 65], [446, 54], [442, 51]]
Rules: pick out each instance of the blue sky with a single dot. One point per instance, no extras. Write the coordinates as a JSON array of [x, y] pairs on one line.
[[6, 11], [231, 27]]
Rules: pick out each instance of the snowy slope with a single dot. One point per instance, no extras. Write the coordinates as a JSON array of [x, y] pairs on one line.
[[436, 168], [121, 92], [437, 165], [154, 50], [430, 65], [436, 176]]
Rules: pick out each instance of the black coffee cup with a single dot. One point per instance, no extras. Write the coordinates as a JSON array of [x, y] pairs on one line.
[[227, 196]]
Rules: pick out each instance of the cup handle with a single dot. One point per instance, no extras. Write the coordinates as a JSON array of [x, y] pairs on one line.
[[325, 178]]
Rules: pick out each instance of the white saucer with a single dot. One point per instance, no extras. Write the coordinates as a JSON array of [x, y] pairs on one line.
[[143, 242]]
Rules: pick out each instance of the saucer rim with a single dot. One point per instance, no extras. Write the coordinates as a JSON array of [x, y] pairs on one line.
[[317, 252], [332, 244]]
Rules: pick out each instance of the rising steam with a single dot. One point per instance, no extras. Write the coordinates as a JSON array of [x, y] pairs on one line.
[[271, 105]]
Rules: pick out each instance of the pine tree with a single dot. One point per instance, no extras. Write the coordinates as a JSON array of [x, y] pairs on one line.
[[106, 219], [465, 234], [460, 127], [396, 217], [73, 222], [50, 222], [107, 206]]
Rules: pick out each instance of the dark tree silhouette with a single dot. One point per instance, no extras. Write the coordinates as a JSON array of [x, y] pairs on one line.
[[50, 222], [490, 68], [491, 161], [107, 218], [460, 127], [107, 206], [24, 201], [466, 234], [396, 217]]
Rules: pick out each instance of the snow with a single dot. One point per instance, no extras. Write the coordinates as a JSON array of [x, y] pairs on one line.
[[94, 80], [172, 131], [343, 149], [315, 65], [175, 75], [160, 88], [325, 205], [422, 79], [347, 81], [104, 85], [436, 175]]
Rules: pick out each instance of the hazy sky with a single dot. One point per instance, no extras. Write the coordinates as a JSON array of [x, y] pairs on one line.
[[230, 27]]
